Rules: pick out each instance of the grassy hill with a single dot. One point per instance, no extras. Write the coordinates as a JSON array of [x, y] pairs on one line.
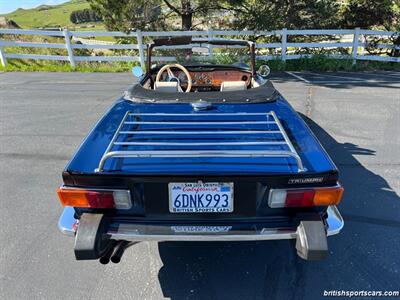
[[47, 15]]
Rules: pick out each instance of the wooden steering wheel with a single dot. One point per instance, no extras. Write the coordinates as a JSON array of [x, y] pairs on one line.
[[173, 77]]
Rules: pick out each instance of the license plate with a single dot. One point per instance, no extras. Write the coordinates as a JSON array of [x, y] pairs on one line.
[[199, 197], [201, 229]]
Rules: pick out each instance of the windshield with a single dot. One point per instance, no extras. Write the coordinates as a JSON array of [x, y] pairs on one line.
[[203, 54], [186, 50]]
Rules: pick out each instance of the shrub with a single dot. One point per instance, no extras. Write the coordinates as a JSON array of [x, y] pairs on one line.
[[84, 16]]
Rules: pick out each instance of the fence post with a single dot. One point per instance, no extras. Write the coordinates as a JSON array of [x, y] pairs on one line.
[[210, 37], [284, 42], [3, 58], [69, 48], [363, 43], [139, 38], [355, 44]]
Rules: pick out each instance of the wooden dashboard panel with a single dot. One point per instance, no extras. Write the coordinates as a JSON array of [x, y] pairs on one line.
[[212, 79], [219, 76]]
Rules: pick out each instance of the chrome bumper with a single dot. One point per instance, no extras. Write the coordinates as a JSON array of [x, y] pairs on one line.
[[130, 232]]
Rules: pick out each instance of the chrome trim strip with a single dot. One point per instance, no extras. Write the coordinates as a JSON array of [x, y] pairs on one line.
[[204, 132], [289, 143], [197, 144], [196, 153], [199, 114], [260, 236], [114, 138], [335, 223], [197, 123]]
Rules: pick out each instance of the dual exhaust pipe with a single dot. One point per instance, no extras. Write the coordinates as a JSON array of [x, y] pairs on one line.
[[92, 243], [114, 253]]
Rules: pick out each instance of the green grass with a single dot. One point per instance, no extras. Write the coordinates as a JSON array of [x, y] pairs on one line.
[[47, 16], [324, 64], [306, 64], [18, 65]]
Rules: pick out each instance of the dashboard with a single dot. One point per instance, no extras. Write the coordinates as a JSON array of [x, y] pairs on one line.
[[210, 80]]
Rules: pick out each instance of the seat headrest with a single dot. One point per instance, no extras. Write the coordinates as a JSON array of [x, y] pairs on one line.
[[233, 86], [169, 87]]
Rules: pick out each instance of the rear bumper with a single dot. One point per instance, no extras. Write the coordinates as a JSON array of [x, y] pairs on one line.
[[142, 232]]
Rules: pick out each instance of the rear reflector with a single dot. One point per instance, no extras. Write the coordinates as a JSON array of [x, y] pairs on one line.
[[119, 199], [305, 197]]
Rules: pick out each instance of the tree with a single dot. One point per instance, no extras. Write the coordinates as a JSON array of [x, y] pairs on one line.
[[384, 14], [139, 14], [188, 9], [245, 14], [277, 14], [127, 15], [84, 15], [367, 13]]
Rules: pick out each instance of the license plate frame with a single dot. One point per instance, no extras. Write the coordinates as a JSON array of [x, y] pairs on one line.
[[224, 203]]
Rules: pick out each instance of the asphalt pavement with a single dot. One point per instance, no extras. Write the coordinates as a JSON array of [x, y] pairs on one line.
[[45, 116]]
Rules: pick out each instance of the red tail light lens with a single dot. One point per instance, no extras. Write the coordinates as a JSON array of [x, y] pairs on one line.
[[305, 197], [297, 198], [88, 198]]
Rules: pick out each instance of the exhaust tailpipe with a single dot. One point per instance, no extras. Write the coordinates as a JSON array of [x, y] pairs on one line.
[[119, 251], [105, 259]]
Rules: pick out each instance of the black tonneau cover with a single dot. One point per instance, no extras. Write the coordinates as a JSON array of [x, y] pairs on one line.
[[264, 93]]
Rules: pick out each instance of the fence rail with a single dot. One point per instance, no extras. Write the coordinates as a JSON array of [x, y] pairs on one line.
[[356, 44]]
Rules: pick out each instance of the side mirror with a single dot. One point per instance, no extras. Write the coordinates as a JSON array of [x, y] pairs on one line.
[[137, 72], [264, 71]]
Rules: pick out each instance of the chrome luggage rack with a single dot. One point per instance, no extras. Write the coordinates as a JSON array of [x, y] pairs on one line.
[[174, 135]]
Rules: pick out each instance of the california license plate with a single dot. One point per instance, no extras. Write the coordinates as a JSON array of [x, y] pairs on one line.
[[200, 197], [201, 229]]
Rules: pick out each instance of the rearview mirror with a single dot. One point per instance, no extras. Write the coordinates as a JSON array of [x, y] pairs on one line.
[[200, 50], [137, 71], [264, 70]]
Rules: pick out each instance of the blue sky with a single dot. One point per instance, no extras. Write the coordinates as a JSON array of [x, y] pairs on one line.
[[7, 6]]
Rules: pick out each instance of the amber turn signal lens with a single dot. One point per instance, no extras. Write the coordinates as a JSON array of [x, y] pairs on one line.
[[328, 196]]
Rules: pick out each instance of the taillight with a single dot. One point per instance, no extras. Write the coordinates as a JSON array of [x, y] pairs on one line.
[[76, 197], [323, 196]]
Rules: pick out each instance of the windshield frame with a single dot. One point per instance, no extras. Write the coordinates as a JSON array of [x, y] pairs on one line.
[[172, 41]]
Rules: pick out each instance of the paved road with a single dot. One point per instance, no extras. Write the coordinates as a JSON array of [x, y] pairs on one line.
[[44, 117]]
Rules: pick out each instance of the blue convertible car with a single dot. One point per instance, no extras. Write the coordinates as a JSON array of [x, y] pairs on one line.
[[200, 152]]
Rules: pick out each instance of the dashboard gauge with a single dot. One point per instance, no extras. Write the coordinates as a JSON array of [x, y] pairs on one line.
[[201, 79], [182, 77]]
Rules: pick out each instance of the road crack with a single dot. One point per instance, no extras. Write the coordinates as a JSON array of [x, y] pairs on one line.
[[309, 102]]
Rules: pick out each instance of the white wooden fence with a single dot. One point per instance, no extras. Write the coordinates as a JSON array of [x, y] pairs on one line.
[[356, 43]]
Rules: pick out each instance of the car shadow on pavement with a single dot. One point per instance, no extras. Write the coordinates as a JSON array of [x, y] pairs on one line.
[[367, 246]]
